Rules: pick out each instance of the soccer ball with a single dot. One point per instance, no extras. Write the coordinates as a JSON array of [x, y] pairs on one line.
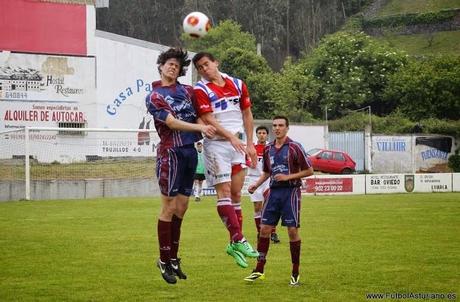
[[196, 24]]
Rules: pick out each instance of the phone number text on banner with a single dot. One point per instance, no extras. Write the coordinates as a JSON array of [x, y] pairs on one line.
[[328, 185]]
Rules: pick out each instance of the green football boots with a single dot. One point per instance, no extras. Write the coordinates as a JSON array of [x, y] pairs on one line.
[[238, 250], [245, 248], [239, 258]]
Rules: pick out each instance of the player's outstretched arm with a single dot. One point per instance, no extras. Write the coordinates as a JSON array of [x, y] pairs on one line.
[[201, 122], [176, 124], [263, 177], [248, 122]]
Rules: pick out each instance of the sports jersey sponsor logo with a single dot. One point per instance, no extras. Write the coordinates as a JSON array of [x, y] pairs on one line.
[[224, 102], [234, 100], [279, 169], [183, 109]]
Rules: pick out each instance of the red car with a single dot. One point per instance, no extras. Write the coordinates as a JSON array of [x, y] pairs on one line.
[[331, 161]]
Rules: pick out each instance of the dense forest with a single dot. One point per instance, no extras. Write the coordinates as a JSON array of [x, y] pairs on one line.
[[282, 27]]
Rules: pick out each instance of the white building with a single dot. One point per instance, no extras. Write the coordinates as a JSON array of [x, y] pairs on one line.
[[74, 76]]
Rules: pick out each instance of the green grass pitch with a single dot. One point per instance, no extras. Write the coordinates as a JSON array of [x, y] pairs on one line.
[[104, 250]]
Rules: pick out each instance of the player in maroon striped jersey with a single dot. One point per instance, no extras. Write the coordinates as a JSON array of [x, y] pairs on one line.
[[284, 163], [171, 104]]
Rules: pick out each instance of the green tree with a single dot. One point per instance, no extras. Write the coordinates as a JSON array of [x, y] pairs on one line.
[[263, 106], [254, 70], [292, 91], [427, 88], [243, 63], [454, 161], [351, 71]]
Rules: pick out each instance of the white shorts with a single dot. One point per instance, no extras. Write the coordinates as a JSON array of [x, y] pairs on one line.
[[258, 194], [219, 156]]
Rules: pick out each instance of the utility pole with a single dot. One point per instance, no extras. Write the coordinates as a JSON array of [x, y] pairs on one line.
[[287, 29]]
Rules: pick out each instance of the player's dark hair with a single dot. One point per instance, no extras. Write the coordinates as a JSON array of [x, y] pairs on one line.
[[175, 53], [282, 117], [262, 128], [201, 55]]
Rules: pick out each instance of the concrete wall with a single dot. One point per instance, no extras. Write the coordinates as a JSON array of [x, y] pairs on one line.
[[79, 189], [412, 153], [313, 185]]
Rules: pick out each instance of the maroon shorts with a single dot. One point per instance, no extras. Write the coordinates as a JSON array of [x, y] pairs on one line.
[[284, 203], [176, 170]]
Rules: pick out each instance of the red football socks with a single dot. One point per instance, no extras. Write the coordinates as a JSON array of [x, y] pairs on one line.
[[164, 240], [228, 216], [176, 223]]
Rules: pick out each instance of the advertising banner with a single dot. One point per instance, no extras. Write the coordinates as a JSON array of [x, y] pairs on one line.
[[126, 69], [43, 90], [411, 153], [333, 184], [434, 182], [391, 154], [456, 182], [328, 185], [388, 183], [432, 153]]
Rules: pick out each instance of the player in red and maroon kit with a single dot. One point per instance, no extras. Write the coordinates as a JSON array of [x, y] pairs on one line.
[[171, 104], [253, 174], [223, 101], [285, 163]]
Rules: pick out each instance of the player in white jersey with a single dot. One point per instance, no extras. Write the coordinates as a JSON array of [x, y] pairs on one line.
[[253, 174], [223, 101]]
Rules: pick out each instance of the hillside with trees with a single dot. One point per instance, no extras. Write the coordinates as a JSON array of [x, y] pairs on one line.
[[283, 28], [323, 57]]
